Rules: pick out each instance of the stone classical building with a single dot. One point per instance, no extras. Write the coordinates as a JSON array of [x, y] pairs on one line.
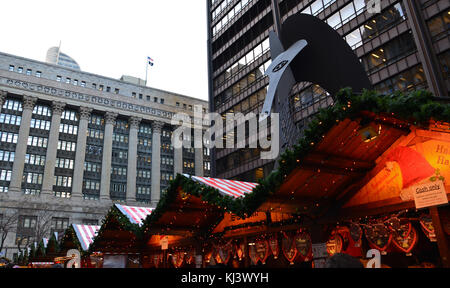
[[73, 143]]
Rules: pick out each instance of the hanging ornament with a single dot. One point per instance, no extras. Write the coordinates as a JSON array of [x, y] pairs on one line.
[[303, 245], [190, 256], [177, 259], [356, 234], [262, 250], [208, 255], [426, 223], [157, 259], [379, 237], [223, 253], [288, 247], [252, 253], [273, 243], [405, 239], [335, 243], [240, 250]]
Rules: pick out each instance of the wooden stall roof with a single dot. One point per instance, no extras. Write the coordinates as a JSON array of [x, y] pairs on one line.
[[340, 150], [193, 206], [121, 230], [79, 237]]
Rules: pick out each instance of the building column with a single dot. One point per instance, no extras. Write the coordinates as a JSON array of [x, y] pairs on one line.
[[156, 162], [3, 95], [198, 163], [110, 121], [22, 143], [80, 154], [52, 148], [132, 158]]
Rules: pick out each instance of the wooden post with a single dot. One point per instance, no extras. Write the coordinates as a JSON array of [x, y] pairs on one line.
[[246, 254], [441, 237]]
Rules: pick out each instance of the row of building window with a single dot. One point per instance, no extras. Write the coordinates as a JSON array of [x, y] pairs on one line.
[[167, 176], [242, 63], [40, 124], [37, 160], [10, 119], [242, 85], [13, 105], [63, 181], [146, 174], [36, 141], [42, 110], [229, 16], [29, 72], [7, 156], [5, 175], [75, 82], [119, 171], [148, 97], [92, 167], [67, 146], [8, 137], [64, 163]]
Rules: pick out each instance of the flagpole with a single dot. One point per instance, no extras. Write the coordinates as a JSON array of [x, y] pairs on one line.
[[146, 71]]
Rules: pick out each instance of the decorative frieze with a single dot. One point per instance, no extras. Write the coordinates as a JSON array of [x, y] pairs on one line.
[[107, 102]]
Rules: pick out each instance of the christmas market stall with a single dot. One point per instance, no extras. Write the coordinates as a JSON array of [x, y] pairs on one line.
[[119, 238], [41, 255], [368, 173], [178, 231], [74, 247]]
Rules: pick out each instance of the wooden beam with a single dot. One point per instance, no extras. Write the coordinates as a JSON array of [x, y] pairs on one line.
[[441, 237]]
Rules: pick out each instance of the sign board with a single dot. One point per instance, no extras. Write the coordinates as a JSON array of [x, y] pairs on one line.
[[429, 194], [164, 243]]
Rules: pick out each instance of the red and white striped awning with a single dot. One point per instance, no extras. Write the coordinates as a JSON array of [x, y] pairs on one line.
[[85, 234], [231, 188], [136, 215], [42, 263]]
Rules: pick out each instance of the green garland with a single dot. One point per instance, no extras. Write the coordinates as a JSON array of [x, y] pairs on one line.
[[124, 224], [416, 107]]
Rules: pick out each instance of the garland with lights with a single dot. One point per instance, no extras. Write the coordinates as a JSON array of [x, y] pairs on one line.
[[124, 224], [415, 108]]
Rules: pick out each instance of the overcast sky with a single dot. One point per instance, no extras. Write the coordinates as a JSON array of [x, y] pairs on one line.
[[114, 37]]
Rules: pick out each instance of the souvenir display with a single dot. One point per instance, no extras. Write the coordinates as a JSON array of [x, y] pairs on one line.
[[379, 237], [335, 243], [259, 251], [177, 259], [356, 234], [240, 250], [303, 245], [405, 238], [288, 247], [189, 257], [274, 247], [426, 223]]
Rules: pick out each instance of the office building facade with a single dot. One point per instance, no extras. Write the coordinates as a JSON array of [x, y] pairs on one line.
[[404, 47], [73, 143]]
